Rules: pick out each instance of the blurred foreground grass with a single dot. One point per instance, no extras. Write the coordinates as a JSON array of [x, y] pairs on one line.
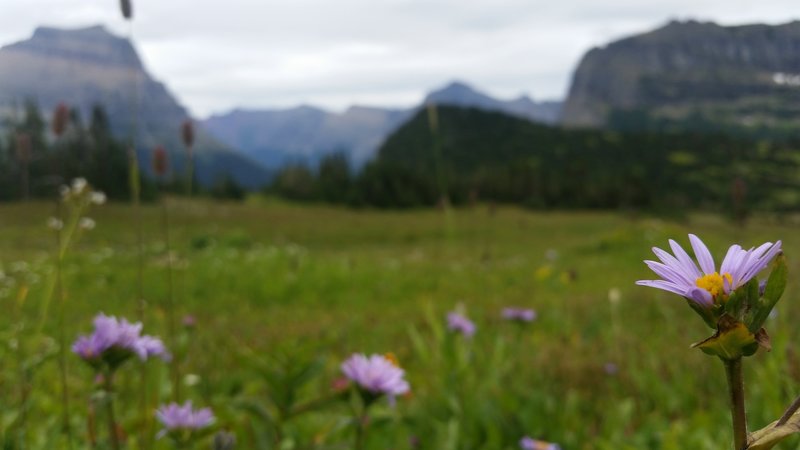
[[267, 279]]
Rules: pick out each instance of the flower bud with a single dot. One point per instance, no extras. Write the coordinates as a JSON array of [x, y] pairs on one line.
[[224, 440], [160, 161], [127, 9], [187, 133], [60, 119]]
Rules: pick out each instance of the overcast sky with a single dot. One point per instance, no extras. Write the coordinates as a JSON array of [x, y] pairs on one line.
[[217, 55]]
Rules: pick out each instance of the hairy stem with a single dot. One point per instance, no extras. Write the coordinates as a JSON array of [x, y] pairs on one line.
[[733, 371]]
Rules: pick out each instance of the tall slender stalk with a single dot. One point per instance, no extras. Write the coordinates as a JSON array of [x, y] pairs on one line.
[[171, 325], [733, 371], [135, 188], [62, 334], [108, 387], [441, 180]]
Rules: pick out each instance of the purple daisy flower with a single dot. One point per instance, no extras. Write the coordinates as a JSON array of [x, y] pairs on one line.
[[114, 340], [377, 375], [460, 323], [519, 314], [528, 443], [705, 285], [177, 417]]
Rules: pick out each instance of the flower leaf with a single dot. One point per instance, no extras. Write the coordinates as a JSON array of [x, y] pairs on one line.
[[771, 435], [731, 341], [776, 283]]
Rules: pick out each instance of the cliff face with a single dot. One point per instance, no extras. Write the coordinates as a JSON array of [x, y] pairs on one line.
[[743, 75], [90, 66]]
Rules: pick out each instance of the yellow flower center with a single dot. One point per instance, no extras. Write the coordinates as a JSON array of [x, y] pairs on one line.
[[714, 284], [392, 359]]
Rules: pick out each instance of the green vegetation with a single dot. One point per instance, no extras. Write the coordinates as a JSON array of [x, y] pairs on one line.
[[282, 293], [488, 156]]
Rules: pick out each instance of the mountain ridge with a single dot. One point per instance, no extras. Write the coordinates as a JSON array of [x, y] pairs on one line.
[[306, 133], [689, 69], [86, 66]]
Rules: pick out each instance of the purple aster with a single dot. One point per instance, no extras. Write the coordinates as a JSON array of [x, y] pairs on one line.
[[377, 375], [114, 340], [527, 443], [177, 417], [519, 314], [705, 285], [460, 323]]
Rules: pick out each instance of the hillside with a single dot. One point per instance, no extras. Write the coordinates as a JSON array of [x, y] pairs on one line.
[[493, 156], [307, 133], [691, 75], [87, 66]]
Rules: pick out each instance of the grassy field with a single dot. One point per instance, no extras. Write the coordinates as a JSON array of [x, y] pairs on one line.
[[273, 286]]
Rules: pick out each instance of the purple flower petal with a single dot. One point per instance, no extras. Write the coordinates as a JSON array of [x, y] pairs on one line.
[[703, 255]]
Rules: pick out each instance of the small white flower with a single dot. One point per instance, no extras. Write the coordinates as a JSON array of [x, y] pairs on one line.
[[54, 223], [64, 191], [191, 379], [86, 223], [614, 296], [98, 198], [78, 185]]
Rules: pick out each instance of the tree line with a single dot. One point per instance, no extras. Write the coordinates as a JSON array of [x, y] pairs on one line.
[[468, 155], [37, 156]]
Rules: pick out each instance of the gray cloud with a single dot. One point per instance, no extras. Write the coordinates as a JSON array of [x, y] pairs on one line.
[[264, 53]]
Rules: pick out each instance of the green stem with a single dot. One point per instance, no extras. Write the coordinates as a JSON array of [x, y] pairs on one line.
[[171, 325], [733, 371], [62, 335], [112, 422], [361, 425]]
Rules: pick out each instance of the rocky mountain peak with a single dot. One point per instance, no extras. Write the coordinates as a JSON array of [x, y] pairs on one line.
[[92, 45]]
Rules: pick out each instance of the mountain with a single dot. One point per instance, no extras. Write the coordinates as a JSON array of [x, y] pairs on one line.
[[691, 74], [460, 94], [306, 133], [88, 66]]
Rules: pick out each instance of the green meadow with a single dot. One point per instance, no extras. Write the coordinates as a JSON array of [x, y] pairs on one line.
[[282, 293]]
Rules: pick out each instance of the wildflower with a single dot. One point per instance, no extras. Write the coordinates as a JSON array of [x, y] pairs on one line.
[[706, 286], [86, 223], [376, 375], [114, 341], [610, 368], [182, 418], [224, 440], [614, 296], [78, 185], [527, 443], [55, 223], [460, 323], [189, 321], [519, 314], [98, 197]]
